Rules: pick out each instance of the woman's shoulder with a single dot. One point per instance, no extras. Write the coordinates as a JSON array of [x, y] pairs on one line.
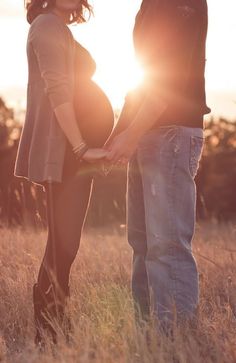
[[50, 27], [48, 21]]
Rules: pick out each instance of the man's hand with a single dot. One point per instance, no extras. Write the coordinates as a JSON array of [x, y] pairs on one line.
[[122, 147]]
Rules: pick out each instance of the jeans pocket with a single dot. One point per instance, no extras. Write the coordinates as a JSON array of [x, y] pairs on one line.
[[170, 140], [196, 145]]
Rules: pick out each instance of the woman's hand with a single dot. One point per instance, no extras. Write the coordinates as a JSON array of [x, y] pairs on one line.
[[93, 155]]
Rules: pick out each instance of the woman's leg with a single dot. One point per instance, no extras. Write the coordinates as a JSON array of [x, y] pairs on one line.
[[67, 204]]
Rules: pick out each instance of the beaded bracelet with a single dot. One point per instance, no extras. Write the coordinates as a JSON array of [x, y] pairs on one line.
[[80, 150]]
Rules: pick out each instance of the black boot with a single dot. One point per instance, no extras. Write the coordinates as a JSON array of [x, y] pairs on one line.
[[49, 310]]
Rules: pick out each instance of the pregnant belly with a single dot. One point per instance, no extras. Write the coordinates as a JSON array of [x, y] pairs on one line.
[[94, 112]]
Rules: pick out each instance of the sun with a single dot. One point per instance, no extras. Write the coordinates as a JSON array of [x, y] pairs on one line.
[[110, 42], [133, 75], [117, 78]]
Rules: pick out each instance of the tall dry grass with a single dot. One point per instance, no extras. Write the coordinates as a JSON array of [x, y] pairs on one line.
[[101, 304]]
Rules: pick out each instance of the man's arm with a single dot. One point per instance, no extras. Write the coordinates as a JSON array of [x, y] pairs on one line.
[[167, 52], [128, 112], [123, 145]]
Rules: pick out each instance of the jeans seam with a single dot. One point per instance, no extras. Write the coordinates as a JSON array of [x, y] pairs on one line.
[[172, 213]]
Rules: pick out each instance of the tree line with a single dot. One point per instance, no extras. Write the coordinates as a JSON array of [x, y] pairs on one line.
[[22, 203]]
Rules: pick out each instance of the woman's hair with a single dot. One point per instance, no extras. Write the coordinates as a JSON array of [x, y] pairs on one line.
[[37, 7]]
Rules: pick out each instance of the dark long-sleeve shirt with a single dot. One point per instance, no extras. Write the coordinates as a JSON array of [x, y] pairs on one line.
[[170, 39]]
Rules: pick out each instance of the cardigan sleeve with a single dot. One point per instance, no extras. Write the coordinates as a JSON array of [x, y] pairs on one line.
[[49, 40]]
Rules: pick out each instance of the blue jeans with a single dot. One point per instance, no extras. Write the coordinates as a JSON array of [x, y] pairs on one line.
[[161, 217]]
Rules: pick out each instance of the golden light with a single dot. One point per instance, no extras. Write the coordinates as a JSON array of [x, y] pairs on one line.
[[117, 80], [108, 36], [134, 75]]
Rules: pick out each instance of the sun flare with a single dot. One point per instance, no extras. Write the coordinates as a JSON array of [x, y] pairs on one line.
[[117, 80], [108, 36]]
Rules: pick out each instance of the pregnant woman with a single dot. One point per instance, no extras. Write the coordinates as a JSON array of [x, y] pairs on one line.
[[68, 119]]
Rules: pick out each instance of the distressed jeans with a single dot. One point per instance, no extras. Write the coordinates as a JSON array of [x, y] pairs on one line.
[[161, 216]]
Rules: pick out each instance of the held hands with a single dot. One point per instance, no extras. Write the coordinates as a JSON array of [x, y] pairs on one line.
[[121, 148], [116, 150], [94, 155], [98, 157]]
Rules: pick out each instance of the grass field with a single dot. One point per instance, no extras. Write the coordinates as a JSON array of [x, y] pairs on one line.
[[101, 304]]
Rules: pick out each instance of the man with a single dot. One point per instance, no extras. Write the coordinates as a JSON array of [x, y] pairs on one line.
[[160, 130]]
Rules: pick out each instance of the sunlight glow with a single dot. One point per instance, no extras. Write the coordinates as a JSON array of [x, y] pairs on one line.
[[135, 75], [118, 79], [108, 37]]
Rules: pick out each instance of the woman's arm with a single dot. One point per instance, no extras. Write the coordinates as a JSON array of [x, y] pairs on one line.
[[49, 40], [65, 115], [66, 118]]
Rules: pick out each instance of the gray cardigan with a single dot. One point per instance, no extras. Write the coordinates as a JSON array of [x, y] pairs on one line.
[[51, 62]]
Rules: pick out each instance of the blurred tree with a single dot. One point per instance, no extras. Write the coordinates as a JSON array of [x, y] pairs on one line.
[[216, 179], [24, 203]]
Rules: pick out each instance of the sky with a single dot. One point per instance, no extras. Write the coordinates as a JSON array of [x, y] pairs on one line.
[[108, 37]]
